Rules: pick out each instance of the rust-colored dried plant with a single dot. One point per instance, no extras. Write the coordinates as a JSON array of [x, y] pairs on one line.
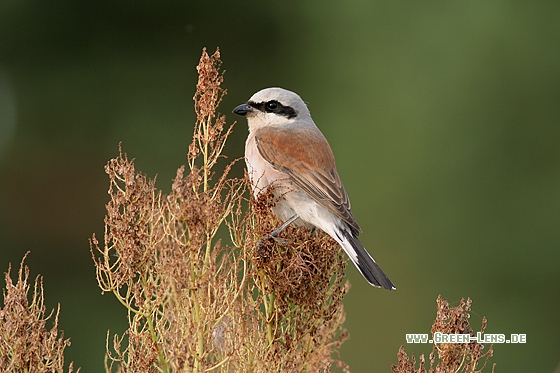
[[26, 345], [450, 357], [198, 303]]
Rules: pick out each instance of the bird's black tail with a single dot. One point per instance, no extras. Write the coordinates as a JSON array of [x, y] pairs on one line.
[[363, 261]]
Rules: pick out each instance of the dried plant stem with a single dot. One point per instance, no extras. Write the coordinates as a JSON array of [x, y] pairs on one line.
[[150, 322], [450, 357], [26, 345], [268, 301], [198, 323], [198, 305]]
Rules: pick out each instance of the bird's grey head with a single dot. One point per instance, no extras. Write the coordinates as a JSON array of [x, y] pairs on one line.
[[273, 106]]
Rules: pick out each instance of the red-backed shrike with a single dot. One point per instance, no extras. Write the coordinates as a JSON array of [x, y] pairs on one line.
[[286, 150]]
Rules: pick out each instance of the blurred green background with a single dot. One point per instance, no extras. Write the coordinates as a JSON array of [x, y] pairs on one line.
[[444, 118]]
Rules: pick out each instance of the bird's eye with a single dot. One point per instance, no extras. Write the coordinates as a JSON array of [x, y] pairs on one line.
[[271, 105]]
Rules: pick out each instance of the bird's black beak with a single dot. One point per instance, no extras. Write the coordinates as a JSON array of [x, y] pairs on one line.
[[243, 109]]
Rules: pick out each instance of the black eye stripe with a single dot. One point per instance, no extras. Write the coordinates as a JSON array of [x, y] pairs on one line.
[[274, 106]]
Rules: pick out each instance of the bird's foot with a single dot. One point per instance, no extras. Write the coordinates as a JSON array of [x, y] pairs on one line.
[[268, 237], [281, 241]]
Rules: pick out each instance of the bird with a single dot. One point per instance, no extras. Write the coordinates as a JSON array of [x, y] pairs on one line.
[[286, 150]]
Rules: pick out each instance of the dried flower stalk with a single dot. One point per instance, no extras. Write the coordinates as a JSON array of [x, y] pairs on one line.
[[25, 343], [196, 304], [450, 357]]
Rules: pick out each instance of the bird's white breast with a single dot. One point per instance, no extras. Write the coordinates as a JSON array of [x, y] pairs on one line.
[[261, 173]]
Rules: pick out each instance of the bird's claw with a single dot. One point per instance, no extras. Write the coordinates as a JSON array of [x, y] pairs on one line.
[[279, 240], [260, 243]]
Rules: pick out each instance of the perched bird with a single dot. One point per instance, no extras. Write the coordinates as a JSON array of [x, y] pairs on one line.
[[285, 149]]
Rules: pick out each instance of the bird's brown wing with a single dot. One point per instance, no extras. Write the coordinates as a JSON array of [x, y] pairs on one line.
[[306, 157]]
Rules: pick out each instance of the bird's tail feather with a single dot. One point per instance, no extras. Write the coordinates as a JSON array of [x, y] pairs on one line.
[[363, 261]]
